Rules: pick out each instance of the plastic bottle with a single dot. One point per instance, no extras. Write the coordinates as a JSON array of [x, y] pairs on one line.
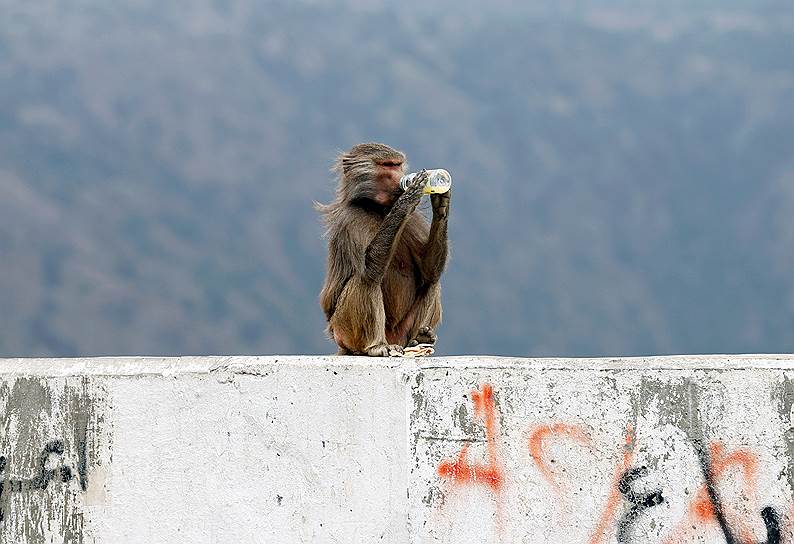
[[438, 181]]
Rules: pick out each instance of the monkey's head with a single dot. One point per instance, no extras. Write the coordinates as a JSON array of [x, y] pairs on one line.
[[370, 173]]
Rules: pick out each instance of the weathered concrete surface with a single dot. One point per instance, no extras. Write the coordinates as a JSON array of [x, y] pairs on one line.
[[452, 450]]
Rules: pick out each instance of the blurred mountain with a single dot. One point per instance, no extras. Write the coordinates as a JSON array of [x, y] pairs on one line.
[[624, 171]]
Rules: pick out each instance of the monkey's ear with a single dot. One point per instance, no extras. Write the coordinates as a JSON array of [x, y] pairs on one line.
[[341, 164], [347, 164]]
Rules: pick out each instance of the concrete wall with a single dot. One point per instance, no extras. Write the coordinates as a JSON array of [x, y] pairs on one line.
[[347, 450]]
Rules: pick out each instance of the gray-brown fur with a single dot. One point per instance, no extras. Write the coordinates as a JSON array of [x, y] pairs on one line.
[[381, 290]]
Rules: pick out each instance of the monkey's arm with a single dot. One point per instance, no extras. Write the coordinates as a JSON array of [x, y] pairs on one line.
[[352, 253], [434, 256], [380, 251]]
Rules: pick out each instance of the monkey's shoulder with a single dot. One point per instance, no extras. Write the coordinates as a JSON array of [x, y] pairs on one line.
[[358, 226], [353, 227]]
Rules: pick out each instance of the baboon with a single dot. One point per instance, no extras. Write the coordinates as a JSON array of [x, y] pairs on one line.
[[381, 290]]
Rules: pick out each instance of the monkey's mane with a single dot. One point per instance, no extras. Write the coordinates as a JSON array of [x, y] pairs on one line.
[[355, 171]]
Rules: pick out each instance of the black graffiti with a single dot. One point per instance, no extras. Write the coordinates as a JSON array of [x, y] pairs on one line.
[[57, 472], [772, 522], [713, 492], [768, 514], [639, 501]]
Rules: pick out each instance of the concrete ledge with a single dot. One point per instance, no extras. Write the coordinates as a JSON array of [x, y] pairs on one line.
[[342, 449], [145, 366]]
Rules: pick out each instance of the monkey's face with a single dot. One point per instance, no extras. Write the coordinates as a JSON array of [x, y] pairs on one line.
[[372, 172], [387, 175]]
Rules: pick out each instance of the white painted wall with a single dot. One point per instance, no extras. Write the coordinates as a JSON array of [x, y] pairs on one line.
[[452, 450]]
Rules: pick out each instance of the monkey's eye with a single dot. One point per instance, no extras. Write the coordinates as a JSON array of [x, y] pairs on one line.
[[391, 164]]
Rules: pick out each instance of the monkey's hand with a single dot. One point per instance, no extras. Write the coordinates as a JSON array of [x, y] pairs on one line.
[[413, 193], [440, 204]]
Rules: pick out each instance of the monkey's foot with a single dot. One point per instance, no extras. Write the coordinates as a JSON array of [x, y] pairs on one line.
[[425, 335], [385, 350]]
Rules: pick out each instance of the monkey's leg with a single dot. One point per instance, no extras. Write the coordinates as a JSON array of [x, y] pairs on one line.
[[427, 317], [359, 320]]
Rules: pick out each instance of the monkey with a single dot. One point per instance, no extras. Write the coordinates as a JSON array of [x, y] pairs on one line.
[[381, 291]]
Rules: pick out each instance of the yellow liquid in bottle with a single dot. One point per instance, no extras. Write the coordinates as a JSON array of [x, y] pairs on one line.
[[439, 181]]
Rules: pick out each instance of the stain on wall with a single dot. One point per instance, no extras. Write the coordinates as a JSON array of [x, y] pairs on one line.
[[54, 451]]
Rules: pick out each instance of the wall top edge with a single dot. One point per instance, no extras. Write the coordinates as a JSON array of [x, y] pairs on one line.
[[263, 365]]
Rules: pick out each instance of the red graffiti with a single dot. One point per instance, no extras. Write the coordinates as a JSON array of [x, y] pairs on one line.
[[614, 500], [721, 464], [461, 471], [537, 441], [577, 434], [701, 510]]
